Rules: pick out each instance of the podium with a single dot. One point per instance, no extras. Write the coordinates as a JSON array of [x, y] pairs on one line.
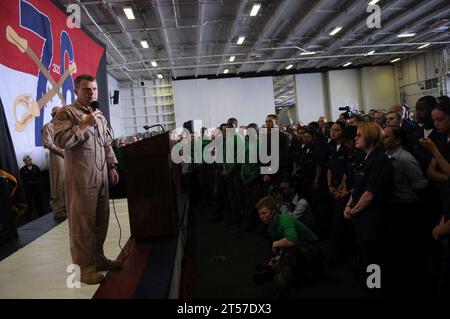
[[151, 187]]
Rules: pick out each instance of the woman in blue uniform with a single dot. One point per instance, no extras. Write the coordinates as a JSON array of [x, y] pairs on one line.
[[367, 203]]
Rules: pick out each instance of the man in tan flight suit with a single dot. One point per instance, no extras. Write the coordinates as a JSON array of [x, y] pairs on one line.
[[56, 170], [88, 159]]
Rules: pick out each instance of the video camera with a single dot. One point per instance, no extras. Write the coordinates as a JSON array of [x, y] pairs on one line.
[[350, 111]]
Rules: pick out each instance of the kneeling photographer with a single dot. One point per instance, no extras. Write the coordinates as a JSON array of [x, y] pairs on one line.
[[295, 247]]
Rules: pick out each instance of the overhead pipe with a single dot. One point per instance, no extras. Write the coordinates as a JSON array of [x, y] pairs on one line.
[[164, 33], [436, 37], [333, 23], [375, 59], [269, 61], [171, 28], [241, 8], [283, 48], [127, 35], [109, 40], [356, 29], [275, 24], [363, 24], [305, 18], [394, 44], [175, 59], [419, 39], [199, 36], [278, 20], [175, 13], [88, 3], [394, 22], [101, 30]]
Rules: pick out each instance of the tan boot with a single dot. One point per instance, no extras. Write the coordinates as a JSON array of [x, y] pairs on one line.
[[105, 264], [90, 276], [60, 216]]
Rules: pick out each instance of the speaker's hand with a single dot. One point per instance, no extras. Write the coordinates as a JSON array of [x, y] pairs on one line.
[[113, 176]]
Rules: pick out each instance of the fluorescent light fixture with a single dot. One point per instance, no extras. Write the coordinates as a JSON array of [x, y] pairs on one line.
[[255, 9], [129, 13], [308, 53], [225, 71], [335, 31], [232, 58], [406, 35], [160, 76], [347, 64], [240, 40], [290, 66], [154, 64], [371, 52], [144, 44], [424, 46], [395, 60], [373, 2]]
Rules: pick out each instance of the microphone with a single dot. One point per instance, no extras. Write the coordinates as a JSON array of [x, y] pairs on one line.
[[94, 105], [146, 127], [150, 134]]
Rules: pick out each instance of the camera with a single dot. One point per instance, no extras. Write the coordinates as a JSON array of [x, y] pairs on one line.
[[350, 111]]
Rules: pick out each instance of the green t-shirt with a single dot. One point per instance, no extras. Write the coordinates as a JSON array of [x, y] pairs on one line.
[[287, 226], [233, 141], [250, 170]]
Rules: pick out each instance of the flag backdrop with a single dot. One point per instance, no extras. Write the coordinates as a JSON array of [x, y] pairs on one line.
[[38, 47]]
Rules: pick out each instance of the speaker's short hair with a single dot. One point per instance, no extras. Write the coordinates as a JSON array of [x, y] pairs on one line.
[[82, 77]]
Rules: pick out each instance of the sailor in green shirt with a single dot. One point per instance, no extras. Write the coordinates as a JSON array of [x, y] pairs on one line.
[[287, 228], [294, 245]]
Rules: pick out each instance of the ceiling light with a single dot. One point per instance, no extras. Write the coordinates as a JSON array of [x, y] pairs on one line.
[[154, 64], [347, 64], [160, 76], [308, 53], [406, 35], [290, 66], [371, 52], [424, 46], [335, 31], [225, 71], [373, 2], [240, 40], [232, 58], [255, 9], [144, 44], [129, 13], [395, 60]]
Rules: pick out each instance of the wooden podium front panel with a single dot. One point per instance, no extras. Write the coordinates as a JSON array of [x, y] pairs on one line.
[[150, 187]]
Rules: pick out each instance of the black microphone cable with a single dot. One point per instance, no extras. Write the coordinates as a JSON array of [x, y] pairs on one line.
[[102, 141]]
